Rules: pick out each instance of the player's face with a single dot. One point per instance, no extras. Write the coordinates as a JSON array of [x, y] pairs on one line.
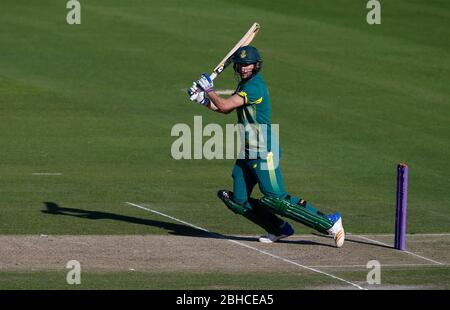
[[245, 71]]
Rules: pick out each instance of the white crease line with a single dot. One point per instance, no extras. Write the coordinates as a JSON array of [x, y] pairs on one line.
[[249, 247], [171, 217], [382, 265], [46, 173], [412, 235], [430, 235], [408, 252]]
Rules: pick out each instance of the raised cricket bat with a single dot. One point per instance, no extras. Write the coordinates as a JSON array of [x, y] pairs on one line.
[[246, 40]]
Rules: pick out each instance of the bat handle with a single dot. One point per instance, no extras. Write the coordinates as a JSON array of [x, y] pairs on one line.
[[213, 76]]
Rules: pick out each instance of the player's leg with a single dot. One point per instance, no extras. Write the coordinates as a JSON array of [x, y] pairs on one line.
[[239, 201], [271, 184], [283, 228], [275, 198]]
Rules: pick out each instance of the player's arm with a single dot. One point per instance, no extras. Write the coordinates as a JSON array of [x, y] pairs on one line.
[[201, 98], [218, 103], [224, 105]]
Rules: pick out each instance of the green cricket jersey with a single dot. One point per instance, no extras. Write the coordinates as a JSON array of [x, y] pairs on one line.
[[254, 115]]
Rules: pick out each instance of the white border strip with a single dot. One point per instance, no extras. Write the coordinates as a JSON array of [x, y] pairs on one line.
[[408, 252], [250, 247]]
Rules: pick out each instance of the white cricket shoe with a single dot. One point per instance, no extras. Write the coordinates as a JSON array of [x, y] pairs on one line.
[[337, 230], [286, 230]]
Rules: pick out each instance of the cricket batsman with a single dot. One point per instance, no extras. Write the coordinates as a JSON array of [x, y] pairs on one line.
[[252, 103]]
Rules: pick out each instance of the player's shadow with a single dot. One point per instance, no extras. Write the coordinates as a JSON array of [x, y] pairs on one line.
[[177, 229], [173, 228], [349, 238], [306, 242]]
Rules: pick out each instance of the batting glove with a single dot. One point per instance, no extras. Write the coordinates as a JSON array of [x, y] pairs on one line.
[[205, 83], [193, 91], [202, 98]]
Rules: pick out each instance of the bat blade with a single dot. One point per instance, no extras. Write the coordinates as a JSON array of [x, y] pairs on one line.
[[245, 40]]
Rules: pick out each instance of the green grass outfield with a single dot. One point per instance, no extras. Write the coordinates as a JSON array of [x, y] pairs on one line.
[[428, 278], [96, 103]]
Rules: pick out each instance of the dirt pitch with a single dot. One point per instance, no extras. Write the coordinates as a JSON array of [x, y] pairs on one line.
[[228, 254]]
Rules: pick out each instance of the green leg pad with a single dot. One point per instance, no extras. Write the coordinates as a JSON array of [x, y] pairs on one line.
[[235, 207], [297, 213], [258, 215]]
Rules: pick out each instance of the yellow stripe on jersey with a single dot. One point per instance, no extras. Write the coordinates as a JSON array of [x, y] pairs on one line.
[[257, 101], [272, 174], [243, 94]]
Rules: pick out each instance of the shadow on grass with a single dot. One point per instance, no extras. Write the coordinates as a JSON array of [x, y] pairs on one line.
[[349, 239], [172, 228], [177, 229]]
